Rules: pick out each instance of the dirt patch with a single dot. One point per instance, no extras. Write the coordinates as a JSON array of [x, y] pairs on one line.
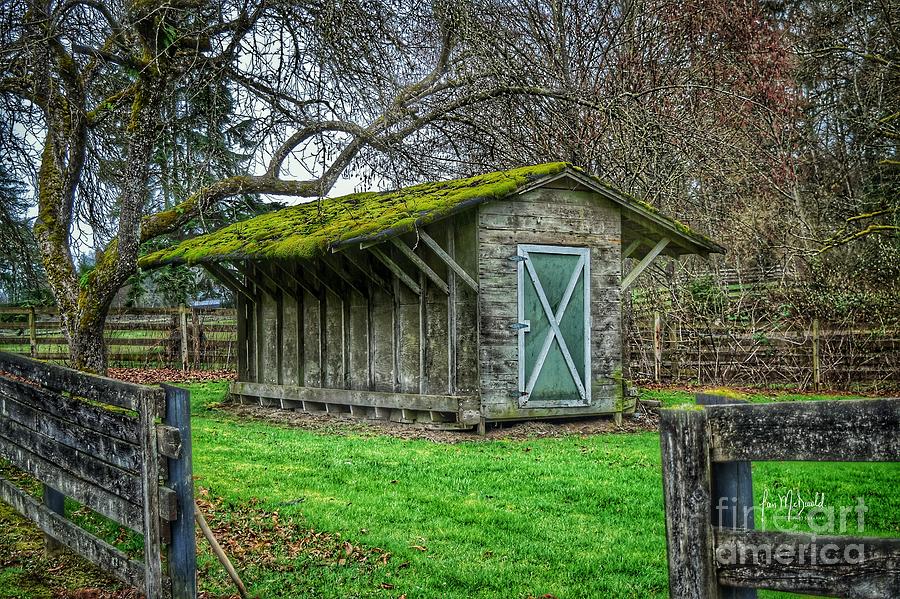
[[643, 420]]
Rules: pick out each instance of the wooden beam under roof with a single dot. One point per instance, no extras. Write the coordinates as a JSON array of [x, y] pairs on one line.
[[333, 264], [420, 264], [448, 260], [395, 268], [229, 280], [644, 263]]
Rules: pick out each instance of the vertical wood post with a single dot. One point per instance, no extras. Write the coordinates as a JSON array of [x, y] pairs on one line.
[[182, 319], [657, 346], [686, 493], [147, 410], [195, 332], [56, 502], [817, 373], [32, 331], [732, 495], [183, 546]]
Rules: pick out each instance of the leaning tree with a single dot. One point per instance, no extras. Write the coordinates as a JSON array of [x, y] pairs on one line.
[[88, 89]]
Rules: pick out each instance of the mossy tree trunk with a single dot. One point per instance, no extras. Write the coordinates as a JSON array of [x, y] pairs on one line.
[[84, 300]]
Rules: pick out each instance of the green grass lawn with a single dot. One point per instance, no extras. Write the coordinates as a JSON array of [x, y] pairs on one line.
[[310, 514]]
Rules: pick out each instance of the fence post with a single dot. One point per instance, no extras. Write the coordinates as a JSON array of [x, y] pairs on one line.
[[657, 346], [182, 319], [732, 495], [686, 494], [56, 502], [32, 332], [817, 373], [195, 330], [183, 545], [153, 580]]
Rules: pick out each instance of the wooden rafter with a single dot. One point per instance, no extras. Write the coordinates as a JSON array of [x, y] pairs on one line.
[[395, 268], [420, 264], [631, 248], [300, 283], [310, 269], [448, 260], [229, 280], [335, 266], [259, 276], [366, 270], [644, 263]]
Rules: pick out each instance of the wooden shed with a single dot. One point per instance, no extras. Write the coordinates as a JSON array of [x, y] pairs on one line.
[[452, 304]]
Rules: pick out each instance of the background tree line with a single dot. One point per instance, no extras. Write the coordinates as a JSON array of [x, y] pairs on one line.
[[125, 125]]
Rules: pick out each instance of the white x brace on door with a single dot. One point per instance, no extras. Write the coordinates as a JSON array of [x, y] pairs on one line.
[[554, 324]]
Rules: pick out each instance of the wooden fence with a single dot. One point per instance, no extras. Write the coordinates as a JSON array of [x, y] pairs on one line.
[[705, 559], [135, 337], [96, 441], [809, 355]]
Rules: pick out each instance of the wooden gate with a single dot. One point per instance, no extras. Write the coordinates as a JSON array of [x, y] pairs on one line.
[[704, 560], [97, 441]]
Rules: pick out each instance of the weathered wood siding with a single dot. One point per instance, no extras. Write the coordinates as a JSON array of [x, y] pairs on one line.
[[551, 217], [338, 328]]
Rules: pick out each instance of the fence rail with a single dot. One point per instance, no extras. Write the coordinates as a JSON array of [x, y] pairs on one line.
[[704, 559], [187, 338], [96, 440]]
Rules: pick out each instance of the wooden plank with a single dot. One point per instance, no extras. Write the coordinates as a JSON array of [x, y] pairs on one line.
[[686, 494], [421, 265], [448, 260], [395, 268], [79, 439], [291, 338], [408, 340], [93, 496], [438, 403], [437, 340], [149, 499], [106, 422], [333, 326], [105, 556], [384, 341], [312, 330], [358, 340], [828, 431], [59, 378], [118, 481], [183, 546], [835, 566]]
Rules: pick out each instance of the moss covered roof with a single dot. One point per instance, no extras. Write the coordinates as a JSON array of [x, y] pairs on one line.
[[310, 229]]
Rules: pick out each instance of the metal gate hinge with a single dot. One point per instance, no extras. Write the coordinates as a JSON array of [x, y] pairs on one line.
[[518, 326], [517, 258]]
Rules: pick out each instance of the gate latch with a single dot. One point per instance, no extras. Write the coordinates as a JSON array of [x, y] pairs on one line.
[[521, 326]]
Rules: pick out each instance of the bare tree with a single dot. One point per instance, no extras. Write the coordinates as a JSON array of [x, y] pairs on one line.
[[88, 87]]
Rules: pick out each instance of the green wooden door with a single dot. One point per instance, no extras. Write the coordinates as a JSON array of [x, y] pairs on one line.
[[554, 325]]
